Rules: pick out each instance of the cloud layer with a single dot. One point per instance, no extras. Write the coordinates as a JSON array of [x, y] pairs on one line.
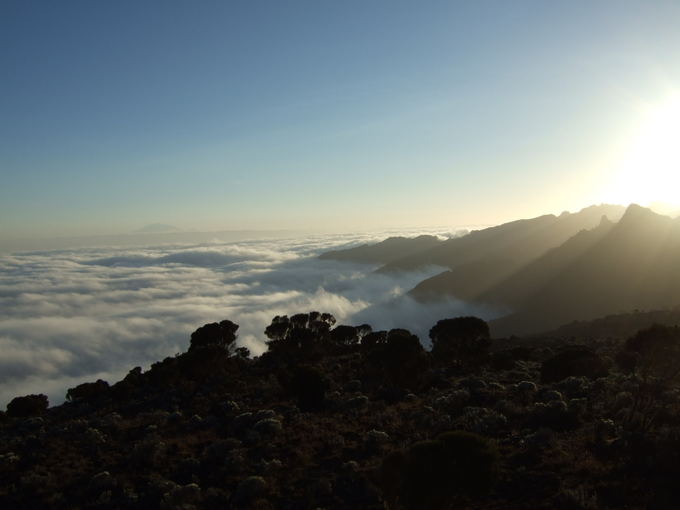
[[71, 316]]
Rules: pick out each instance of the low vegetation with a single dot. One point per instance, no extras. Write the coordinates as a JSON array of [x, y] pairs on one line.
[[343, 417]]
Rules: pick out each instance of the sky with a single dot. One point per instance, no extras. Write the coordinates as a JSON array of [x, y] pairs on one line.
[[330, 116]]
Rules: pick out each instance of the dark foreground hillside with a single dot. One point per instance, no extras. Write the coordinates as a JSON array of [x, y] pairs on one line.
[[342, 417]]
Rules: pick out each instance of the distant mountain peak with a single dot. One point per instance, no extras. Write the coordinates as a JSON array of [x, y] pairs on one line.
[[605, 221], [637, 213], [157, 228]]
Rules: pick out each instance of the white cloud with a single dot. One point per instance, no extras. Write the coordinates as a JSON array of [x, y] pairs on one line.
[[72, 316]]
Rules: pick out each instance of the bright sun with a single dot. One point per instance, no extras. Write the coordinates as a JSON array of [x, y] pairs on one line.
[[650, 171]]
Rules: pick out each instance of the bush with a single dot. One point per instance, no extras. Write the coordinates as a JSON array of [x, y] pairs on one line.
[[87, 390], [373, 339], [308, 385], [435, 474], [507, 358], [214, 334], [577, 361], [463, 339], [402, 358], [654, 353], [344, 335], [30, 405], [299, 337]]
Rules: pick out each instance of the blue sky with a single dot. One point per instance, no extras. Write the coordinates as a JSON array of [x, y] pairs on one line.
[[318, 114]]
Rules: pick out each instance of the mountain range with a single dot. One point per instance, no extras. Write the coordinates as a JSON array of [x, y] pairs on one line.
[[550, 270]]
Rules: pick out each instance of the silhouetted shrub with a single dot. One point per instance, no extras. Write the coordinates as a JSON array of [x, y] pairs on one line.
[[574, 361], [302, 336], [436, 474], [221, 335], [463, 339], [402, 357], [278, 329], [344, 335], [308, 385], [207, 362], [372, 339], [29, 405], [654, 354], [363, 330], [506, 359], [87, 390]]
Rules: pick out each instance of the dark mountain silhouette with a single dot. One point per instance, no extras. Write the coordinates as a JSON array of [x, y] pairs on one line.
[[510, 245], [384, 252], [487, 257], [618, 326], [473, 281], [631, 265]]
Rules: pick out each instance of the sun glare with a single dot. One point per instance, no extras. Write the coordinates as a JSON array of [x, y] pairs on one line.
[[650, 170]]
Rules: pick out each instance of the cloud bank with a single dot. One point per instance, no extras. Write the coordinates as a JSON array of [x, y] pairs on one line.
[[72, 316]]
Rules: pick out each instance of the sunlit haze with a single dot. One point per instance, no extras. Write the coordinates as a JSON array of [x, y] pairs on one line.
[[649, 171], [331, 116]]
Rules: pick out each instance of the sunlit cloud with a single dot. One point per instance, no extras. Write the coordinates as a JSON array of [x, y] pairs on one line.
[[71, 316]]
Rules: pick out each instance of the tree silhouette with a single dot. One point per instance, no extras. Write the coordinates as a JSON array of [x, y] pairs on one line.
[[462, 339], [214, 334]]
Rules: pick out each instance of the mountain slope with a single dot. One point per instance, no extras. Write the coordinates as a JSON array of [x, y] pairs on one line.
[[517, 242], [385, 251], [634, 266], [494, 255]]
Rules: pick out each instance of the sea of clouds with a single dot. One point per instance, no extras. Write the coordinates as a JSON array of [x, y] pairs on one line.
[[71, 316]]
